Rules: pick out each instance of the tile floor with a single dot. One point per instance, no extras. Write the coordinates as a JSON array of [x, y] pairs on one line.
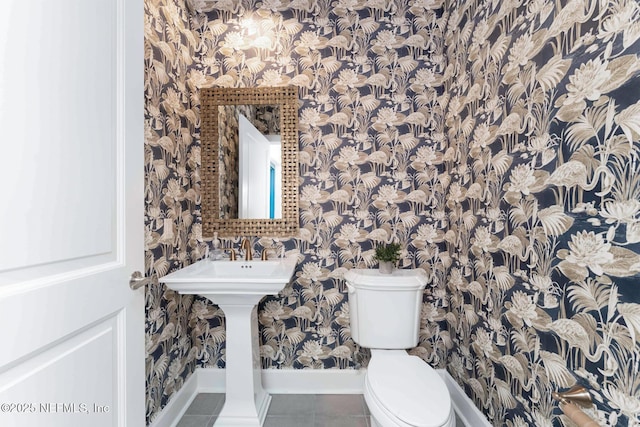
[[290, 410]]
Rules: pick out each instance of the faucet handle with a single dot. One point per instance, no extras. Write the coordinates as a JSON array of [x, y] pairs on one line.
[[232, 254]]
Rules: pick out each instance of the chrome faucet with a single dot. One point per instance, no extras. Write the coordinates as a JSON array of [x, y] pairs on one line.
[[246, 247]]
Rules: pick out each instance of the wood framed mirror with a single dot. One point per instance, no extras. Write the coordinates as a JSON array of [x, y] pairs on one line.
[[247, 188]]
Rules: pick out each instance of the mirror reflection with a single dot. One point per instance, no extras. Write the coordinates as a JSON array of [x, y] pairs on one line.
[[250, 161]]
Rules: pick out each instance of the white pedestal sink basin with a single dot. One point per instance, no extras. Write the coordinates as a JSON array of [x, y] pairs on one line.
[[237, 287]]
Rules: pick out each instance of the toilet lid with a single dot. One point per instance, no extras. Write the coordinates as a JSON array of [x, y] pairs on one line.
[[410, 390]]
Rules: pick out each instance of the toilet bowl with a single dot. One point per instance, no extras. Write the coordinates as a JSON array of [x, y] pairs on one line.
[[400, 390], [403, 391]]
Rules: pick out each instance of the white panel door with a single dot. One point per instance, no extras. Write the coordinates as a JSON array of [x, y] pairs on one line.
[[71, 214], [253, 171]]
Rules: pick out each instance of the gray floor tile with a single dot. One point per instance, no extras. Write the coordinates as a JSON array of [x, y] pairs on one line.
[[291, 410], [206, 404], [340, 421], [292, 404], [289, 421], [339, 404], [194, 421]]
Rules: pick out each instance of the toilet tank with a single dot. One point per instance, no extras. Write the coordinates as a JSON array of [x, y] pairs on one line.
[[384, 309]]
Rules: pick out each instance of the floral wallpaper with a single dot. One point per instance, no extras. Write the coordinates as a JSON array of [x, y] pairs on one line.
[[174, 324], [541, 104], [496, 141], [369, 149]]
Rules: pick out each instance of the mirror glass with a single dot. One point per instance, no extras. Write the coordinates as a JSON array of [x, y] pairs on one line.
[[249, 161]]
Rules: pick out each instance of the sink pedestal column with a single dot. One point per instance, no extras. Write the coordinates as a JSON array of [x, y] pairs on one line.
[[246, 402]]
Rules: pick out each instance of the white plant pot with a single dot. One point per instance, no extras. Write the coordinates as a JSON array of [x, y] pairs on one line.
[[385, 267]]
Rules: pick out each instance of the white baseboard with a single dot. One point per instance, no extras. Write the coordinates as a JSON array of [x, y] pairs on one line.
[[313, 381], [468, 413], [291, 381], [211, 380], [302, 381], [178, 404]]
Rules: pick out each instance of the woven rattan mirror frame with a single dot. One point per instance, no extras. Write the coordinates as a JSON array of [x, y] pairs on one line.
[[286, 98]]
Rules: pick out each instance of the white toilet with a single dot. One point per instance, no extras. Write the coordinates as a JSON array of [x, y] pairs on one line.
[[400, 390]]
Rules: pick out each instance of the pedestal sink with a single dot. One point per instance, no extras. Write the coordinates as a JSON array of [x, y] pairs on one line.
[[237, 287]]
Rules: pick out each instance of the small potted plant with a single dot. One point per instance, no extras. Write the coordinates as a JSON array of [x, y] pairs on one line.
[[387, 256]]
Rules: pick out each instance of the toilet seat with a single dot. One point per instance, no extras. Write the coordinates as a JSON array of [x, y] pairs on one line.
[[404, 391]]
